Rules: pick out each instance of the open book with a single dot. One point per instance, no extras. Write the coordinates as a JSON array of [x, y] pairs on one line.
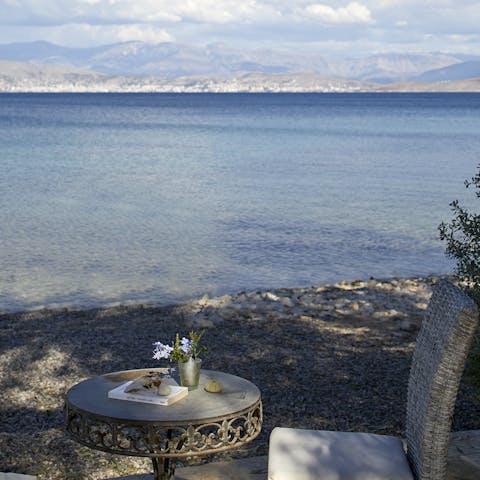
[[140, 390]]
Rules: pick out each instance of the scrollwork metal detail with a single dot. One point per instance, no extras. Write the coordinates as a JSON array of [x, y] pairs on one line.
[[152, 440]]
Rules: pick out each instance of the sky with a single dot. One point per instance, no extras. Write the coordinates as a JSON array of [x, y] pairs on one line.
[[328, 27]]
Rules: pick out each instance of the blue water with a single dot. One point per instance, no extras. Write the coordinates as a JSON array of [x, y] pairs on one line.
[[157, 198]]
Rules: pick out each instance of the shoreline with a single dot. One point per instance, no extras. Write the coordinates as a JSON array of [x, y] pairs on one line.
[[213, 299], [321, 356]]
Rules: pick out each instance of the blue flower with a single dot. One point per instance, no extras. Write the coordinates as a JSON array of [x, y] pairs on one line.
[[161, 351], [186, 345]]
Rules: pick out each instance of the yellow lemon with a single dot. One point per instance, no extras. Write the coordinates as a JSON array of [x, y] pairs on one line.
[[213, 386]]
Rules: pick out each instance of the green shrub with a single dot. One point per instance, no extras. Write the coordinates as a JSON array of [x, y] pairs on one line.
[[462, 235]]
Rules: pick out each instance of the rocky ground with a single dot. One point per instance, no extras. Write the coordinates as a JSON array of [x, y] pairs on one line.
[[331, 357]]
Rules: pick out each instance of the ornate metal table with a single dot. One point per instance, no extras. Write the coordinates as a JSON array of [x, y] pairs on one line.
[[202, 423]]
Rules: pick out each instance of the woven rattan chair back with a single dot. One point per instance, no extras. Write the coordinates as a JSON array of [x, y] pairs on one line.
[[438, 361]]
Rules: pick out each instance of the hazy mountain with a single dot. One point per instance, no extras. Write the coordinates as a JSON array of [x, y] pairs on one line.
[[220, 61], [459, 71], [163, 59], [27, 77], [24, 75], [388, 68], [48, 53]]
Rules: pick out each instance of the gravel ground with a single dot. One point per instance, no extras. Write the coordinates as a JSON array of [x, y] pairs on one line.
[[330, 357]]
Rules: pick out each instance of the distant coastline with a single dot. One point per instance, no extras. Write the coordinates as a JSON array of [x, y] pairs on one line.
[[17, 77]]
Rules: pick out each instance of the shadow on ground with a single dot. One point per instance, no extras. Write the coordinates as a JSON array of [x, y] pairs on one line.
[[337, 372]]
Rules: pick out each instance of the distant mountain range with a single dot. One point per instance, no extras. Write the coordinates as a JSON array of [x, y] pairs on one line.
[[27, 77], [137, 66], [458, 71]]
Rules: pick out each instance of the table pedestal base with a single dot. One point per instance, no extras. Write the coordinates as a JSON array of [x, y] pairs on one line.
[[163, 468]]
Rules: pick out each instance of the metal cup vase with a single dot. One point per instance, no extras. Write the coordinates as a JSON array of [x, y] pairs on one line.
[[190, 373]]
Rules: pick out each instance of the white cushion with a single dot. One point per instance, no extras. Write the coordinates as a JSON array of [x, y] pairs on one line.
[[296, 454]]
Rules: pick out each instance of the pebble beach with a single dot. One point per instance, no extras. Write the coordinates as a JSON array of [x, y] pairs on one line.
[[330, 357]]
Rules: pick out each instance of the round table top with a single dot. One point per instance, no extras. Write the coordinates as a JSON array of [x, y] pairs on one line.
[[90, 396]]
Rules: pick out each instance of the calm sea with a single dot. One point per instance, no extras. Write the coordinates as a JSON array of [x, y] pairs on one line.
[[157, 198]]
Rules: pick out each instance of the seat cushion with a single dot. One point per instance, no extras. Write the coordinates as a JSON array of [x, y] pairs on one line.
[[297, 454]]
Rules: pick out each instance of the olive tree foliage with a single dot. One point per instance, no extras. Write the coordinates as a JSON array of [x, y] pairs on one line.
[[462, 235]]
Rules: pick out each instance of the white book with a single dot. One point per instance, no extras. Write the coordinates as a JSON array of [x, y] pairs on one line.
[[176, 393]]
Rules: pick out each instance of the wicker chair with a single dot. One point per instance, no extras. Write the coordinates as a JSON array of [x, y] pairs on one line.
[[438, 362]]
